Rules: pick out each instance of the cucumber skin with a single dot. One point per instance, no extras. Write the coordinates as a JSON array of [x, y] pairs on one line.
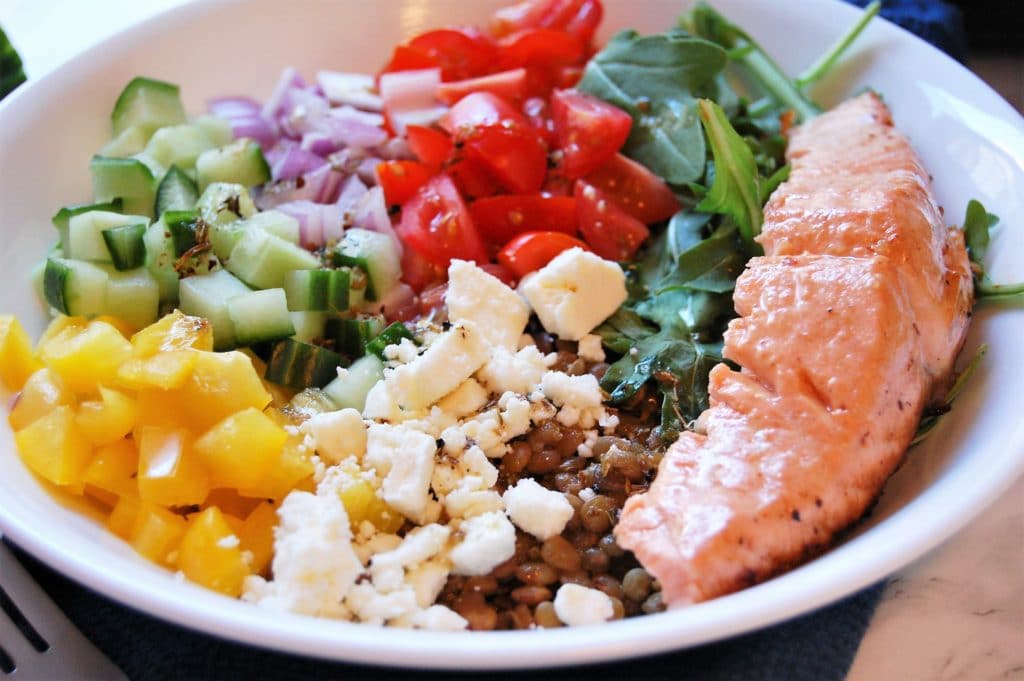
[[138, 86], [350, 391], [260, 316], [302, 365]]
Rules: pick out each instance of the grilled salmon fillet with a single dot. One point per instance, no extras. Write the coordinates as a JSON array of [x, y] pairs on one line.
[[847, 327]]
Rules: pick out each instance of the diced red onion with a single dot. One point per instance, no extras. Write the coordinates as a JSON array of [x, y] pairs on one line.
[[290, 79], [354, 128], [319, 143], [302, 111], [354, 89], [403, 90], [398, 304], [352, 192], [372, 213], [243, 114], [288, 161], [395, 148], [367, 170], [233, 107], [319, 224]]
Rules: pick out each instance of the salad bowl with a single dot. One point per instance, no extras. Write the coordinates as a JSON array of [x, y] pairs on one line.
[[969, 138]]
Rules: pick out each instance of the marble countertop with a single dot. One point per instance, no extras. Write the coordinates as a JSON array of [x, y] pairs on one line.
[[957, 613]]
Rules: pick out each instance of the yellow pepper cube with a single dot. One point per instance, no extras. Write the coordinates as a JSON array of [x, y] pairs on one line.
[[114, 468], [157, 533], [164, 370], [257, 536], [210, 554], [230, 502], [108, 419], [17, 362], [121, 520], [87, 357], [125, 328], [54, 447], [101, 495], [58, 325], [292, 468], [170, 474], [43, 392], [240, 450], [159, 408], [175, 331], [359, 496], [221, 384]]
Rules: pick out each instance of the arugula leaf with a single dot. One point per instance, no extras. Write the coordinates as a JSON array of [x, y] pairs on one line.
[[817, 71], [978, 224], [12, 73], [654, 79], [930, 420], [736, 188]]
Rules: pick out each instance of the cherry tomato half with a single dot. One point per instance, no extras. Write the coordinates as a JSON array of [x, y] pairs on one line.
[[431, 147], [590, 131], [401, 179], [406, 58], [459, 54], [531, 251], [436, 224], [494, 134], [499, 218], [578, 17], [612, 232], [635, 189]]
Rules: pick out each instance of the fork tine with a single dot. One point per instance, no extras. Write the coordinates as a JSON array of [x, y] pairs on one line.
[[69, 651]]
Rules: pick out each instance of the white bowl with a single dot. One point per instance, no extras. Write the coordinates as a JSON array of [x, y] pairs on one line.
[[969, 138]]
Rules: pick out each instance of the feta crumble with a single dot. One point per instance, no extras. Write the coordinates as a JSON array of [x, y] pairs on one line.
[[578, 605], [535, 509], [488, 540], [474, 295]]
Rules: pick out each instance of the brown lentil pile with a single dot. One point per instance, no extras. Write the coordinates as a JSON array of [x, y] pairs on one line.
[[518, 594]]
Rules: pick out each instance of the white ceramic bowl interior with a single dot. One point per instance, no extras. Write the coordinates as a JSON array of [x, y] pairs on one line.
[[970, 139]]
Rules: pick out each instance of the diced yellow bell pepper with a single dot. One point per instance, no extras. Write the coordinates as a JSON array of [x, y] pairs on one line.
[[121, 520], [17, 362], [108, 419], [157, 533], [59, 324], [159, 408], [114, 468], [43, 392], [121, 325], [104, 497], [257, 536], [175, 331], [221, 383], [54, 447], [164, 370], [170, 474], [294, 466], [241, 449], [86, 357], [359, 496], [211, 554], [230, 502]]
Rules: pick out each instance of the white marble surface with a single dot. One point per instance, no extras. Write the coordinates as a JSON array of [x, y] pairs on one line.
[[958, 613]]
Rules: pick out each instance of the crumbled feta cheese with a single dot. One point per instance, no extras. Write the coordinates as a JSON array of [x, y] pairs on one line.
[[519, 372], [438, 618], [484, 429], [337, 434], [373, 607], [454, 440], [381, 405], [586, 494], [515, 415], [591, 348], [568, 416], [402, 352], [470, 498], [608, 421], [366, 547], [314, 564], [433, 423], [468, 398], [427, 580], [535, 509], [578, 391], [586, 448], [488, 540], [228, 541], [575, 292], [388, 569], [577, 605], [449, 361], [474, 462], [405, 459], [475, 296]]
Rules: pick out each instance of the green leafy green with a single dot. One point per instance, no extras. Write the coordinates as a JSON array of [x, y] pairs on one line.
[[655, 78], [12, 73], [736, 190], [931, 419], [978, 225], [817, 71]]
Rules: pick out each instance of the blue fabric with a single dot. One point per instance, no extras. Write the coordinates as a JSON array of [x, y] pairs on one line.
[[939, 22]]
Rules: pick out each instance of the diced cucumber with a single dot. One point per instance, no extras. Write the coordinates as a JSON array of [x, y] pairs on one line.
[[62, 217], [85, 233], [127, 178], [277, 223], [376, 254], [309, 326], [321, 289], [156, 168], [181, 225], [262, 259], [349, 391], [224, 202], [149, 104], [127, 246], [176, 191], [129, 142], [241, 162], [133, 296], [179, 145], [223, 238], [207, 295], [302, 365], [217, 129], [160, 260], [392, 334], [38, 277], [260, 316], [75, 287], [350, 336]]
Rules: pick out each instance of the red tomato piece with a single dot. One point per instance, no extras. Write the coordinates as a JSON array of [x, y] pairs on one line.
[[531, 251], [578, 17], [420, 273], [432, 298], [590, 131], [510, 85], [459, 55], [472, 179], [436, 224], [401, 179], [612, 232], [431, 147], [406, 58], [541, 47], [635, 189], [495, 135], [499, 218], [498, 271], [539, 114]]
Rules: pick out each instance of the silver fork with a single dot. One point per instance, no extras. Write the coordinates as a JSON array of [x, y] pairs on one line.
[[37, 641]]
